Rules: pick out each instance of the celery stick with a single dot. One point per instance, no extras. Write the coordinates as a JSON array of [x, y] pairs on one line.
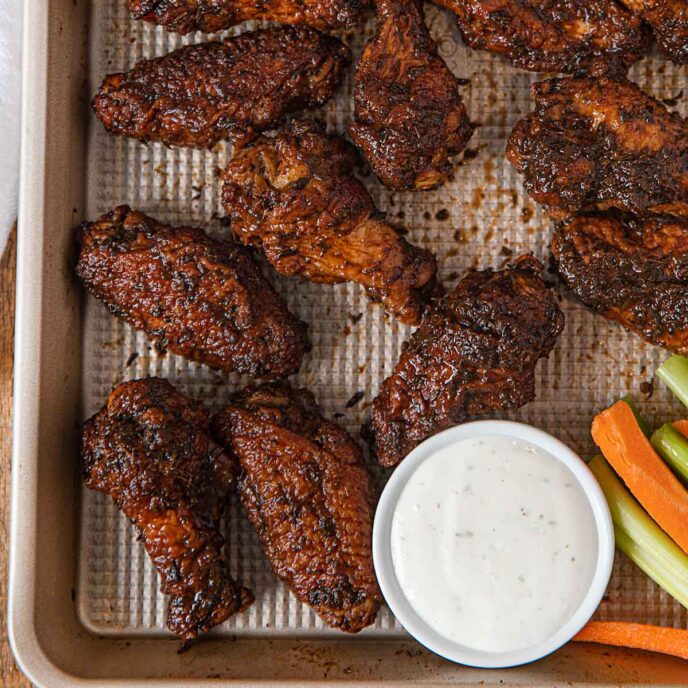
[[674, 373], [639, 419], [644, 560], [672, 446], [662, 555]]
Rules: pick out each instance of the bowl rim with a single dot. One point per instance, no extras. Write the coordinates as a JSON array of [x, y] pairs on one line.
[[394, 594]]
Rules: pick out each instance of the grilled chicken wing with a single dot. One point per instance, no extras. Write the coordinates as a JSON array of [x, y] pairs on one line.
[[409, 118], [198, 297], [669, 20], [306, 490], [201, 94], [148, 448], [600, 144], [474, 353], [633, 271], [184, 16], [295, 197], [591, 36]]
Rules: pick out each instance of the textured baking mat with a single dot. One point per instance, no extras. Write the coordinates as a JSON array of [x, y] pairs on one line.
[[478, 219]]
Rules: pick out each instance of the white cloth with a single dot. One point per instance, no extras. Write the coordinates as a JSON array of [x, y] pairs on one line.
[[10, 96]]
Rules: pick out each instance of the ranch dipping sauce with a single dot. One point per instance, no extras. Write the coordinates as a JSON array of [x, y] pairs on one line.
[[494, 543]]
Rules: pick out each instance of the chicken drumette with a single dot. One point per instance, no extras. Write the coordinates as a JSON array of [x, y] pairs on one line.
[[409, 118], [198, 297], [295, 197], [474, 353], [669, 20], [201, 94], [307, 493], [591, 36], [184, 16], [148, 448], [595, 144], [633, 271]]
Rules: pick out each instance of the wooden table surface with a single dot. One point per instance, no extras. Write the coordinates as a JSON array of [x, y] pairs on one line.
[[10, 676]]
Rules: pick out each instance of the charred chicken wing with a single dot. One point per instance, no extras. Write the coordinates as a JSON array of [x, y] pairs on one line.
[[474, 353], [633, 271], [198, 297], [409, 118], [600, 144], [295, 197], [148, 448], [307, 493], [184, 16], [201, 94], [669, 20], [571, 36]]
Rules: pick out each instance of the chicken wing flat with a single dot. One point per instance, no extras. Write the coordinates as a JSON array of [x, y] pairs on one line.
[[148, 448], [409, 118], [201, 94], [572, 36], [669, 20], [633, 271], [184, 16], [474, 353], [295, 197], [307, 493], [600, 144], [200, 298]]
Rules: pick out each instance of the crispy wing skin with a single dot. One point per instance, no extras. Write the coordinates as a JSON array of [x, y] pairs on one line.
[[184, 16], [474, 353], [409, 118], [201, 94], [600, 144], [295, 197], [148, 448], [572, 36], [633, 271], [200, 298], [669, 20], [307, 492]]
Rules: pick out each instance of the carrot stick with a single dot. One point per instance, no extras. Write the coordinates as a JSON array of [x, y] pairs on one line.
[[641, 421], [682, 427], [616, 432], [668, 641]]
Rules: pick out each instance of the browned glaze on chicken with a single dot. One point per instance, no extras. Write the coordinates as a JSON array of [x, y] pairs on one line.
[[474, 353], [198, 297], [307, 493], [295, 197], [148, 448], [633, 271], [409, 118], [184, 16], [600, 144], [201, 94], [669, 20], [589, 36]]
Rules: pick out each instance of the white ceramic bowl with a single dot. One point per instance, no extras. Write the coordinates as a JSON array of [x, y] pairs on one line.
[[394, 594]]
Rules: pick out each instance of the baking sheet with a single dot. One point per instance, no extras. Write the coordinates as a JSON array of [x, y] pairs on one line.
[[478, 219]]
